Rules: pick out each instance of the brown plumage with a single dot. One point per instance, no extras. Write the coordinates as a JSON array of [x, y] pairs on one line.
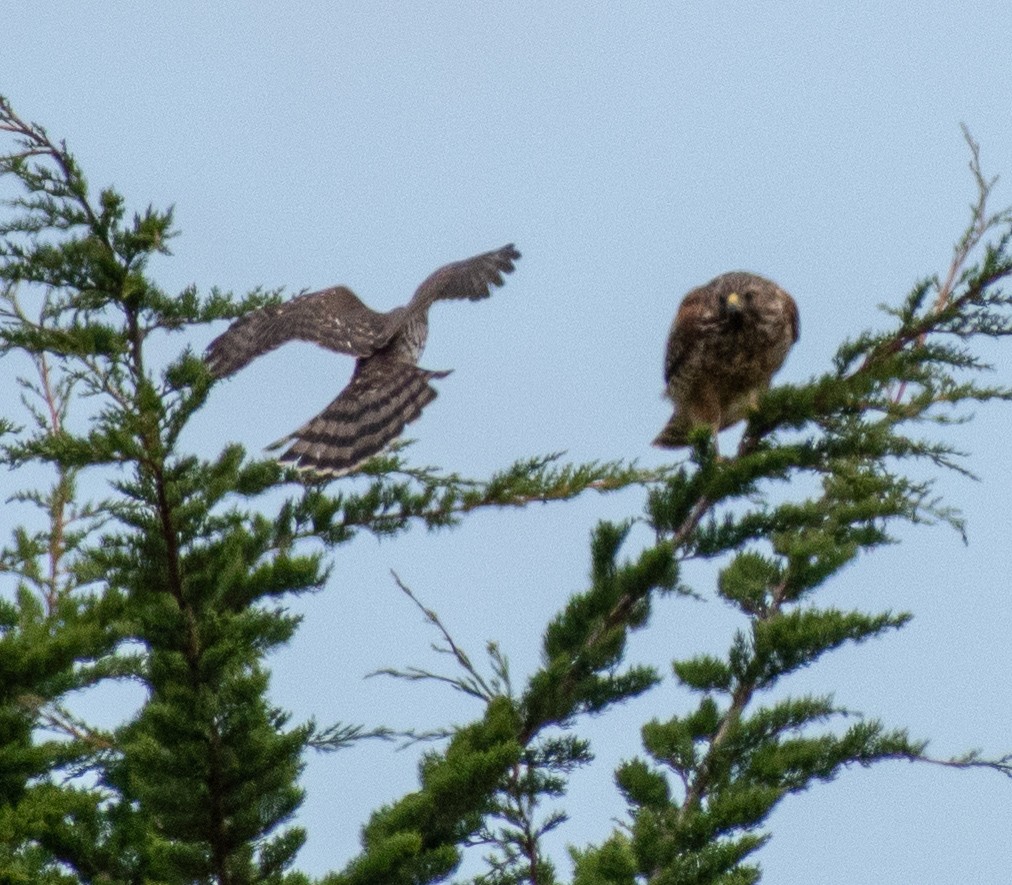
[[727, 340], [387, 390]]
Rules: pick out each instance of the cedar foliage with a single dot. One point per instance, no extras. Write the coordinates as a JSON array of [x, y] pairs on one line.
[[149, 563]]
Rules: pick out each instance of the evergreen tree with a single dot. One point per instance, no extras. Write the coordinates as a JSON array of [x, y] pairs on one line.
[[145, 562]]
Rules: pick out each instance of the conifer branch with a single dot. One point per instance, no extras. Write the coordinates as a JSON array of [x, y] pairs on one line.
[[440, 500], [166, 575]]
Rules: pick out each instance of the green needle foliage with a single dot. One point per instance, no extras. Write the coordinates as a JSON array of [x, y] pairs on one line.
[[141, 563]]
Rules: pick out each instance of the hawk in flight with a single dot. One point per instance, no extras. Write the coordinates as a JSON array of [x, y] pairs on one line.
[[387, 390], [727, 340]]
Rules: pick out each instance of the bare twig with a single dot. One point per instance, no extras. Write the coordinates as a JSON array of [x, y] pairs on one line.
[[473, 683]]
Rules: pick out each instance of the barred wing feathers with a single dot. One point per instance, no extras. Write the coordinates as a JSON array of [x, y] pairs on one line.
[[384, 395], [471, 278], [333, 318]]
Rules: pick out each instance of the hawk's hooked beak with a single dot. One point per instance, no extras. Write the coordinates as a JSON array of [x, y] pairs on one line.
[[734, 302]]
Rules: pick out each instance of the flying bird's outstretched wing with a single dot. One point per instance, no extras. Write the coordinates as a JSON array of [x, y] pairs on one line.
[[384, 395], [471, 278], [333, 318]]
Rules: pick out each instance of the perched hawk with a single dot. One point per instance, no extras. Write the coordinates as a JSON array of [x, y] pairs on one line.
[[387, 390], [727, 340]]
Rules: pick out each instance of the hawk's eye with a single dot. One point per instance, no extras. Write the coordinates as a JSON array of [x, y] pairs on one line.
[[749, 295]]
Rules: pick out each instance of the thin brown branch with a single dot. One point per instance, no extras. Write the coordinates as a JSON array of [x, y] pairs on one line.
[[741, 696], [980, 224], [476, 685], [59, 495], [36, 142], [1002, 765]]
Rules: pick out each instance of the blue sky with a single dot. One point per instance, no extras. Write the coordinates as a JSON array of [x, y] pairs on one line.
[[632, 151]]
